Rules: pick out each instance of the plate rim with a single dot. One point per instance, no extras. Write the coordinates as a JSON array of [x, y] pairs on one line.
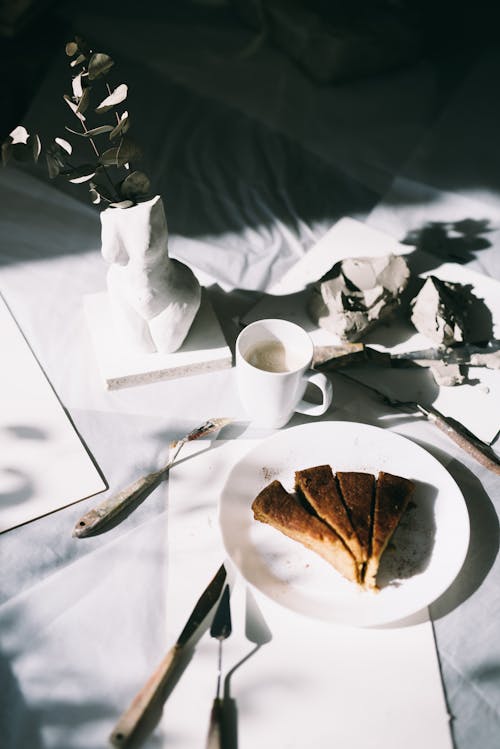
[[367, 428]]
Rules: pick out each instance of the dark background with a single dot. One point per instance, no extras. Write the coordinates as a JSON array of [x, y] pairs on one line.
[[31, 33]]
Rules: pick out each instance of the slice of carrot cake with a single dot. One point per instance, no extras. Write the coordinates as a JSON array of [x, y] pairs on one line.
[[284, 511], [391, 499], [319, 487], [358, 492]]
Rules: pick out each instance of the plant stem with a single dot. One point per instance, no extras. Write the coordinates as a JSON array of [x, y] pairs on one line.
[[98, 156], [90, 139], [129, 168]]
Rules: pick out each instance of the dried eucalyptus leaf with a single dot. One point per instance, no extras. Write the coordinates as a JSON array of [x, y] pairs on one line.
[[116, 97], [82, 173], [127, 151], [36, 146], [121, 154], [122, 204], [122, 126], [71, 49], [103, 191], [136, 183], [74, 107], [6, 152], [19, 134], [84, 101], [56, 158], [94, 195], [71, 104], [53, 166], [64, 145], [77, 61], [58, 155], [79, 180], [82, 45], [109, 157], [99, 130], [76, 84], [82, 134], [91, 133], [99, 65]]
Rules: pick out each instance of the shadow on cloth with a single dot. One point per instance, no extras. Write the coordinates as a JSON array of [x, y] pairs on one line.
[[483, 545], [19, 724]]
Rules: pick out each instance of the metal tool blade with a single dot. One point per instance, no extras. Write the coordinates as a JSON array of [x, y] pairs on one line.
[[460, 354], [220, 630], [203, 606], [154, 691], [221, 624]]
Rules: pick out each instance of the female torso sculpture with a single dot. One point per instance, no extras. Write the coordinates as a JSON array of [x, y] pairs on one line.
[[154, 299]]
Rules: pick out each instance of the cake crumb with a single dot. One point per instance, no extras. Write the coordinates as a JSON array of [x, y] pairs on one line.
[[269, 473]]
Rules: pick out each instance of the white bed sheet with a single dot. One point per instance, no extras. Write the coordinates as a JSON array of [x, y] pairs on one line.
[[82, 622]]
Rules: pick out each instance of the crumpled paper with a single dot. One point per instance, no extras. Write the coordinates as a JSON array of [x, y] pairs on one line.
[[358, 292], [440, 311]]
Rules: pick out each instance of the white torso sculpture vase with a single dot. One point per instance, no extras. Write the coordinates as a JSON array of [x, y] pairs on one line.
[[153, 298]]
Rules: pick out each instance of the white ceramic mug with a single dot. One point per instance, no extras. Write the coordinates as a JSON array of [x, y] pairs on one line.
[[272, 362]]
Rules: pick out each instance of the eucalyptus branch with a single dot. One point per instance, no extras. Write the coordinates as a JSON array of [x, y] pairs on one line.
[[91, 141], [85, 130], [91, 70]]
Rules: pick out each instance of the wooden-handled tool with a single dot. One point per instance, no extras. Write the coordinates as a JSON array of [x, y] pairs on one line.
[[473, 446], [101, 515], [130, 723]]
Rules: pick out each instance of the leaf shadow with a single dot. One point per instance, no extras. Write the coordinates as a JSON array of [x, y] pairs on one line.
[[18, 486], [455, 241], [19, 723], [21, 489]]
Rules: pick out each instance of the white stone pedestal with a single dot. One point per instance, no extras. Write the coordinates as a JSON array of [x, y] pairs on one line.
[[204, 350]]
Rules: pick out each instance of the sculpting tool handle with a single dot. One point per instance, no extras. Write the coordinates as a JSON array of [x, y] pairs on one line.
[[141, 488], [482, 453], [214, 737], [101, 515], [477, 449], [125, 730]]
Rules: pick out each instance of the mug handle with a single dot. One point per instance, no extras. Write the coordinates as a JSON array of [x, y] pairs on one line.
[[324, 384]]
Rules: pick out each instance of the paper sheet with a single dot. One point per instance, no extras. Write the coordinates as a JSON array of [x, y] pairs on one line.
[[44, 464], [313, 683]]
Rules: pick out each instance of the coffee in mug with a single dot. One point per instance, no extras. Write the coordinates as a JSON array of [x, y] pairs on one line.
[[272, 362], [273, 356]]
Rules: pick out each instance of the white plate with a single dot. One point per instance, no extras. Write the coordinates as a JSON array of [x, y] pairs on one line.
[[428, 549]]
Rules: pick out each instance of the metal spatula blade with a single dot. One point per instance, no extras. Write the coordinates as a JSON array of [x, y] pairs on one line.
[[221, 624], [220, 630]]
